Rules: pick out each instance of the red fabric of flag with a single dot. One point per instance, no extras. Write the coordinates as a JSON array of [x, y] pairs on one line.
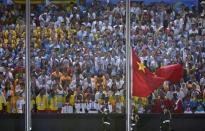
[[173, 73], [144, 82]]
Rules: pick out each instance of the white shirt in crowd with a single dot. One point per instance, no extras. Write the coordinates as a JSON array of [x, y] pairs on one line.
[[80, 107], [103, 108], [119, 83], [119, 107], [20, 105], [188, 111], [199, 112], [93, 107], [67, 108]]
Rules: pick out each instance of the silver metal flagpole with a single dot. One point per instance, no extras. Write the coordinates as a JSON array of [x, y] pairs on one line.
[[128, 75], [28, 89]]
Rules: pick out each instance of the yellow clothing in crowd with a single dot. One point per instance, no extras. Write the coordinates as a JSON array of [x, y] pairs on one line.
[[70, 5], [100, 81], [57, 74], [11, 105], [144, 100], [112, 100], [6, 33], [8, 107], [1, 103], [42, 102], [65, 78], [72, 100], [60, 98], [53, 103], [47, 32], [33, 102]]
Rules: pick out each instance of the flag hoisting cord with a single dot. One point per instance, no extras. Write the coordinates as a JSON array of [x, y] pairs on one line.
[[27, 60], [128, 67]]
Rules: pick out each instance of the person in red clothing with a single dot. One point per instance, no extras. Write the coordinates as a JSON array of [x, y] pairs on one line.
[[157, 107], [167, 103], [177, 104]]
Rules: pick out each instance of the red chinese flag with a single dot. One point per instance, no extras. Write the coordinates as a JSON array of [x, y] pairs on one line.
[[144, 81], [173, 73]]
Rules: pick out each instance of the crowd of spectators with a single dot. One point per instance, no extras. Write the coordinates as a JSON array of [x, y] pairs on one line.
[[78, 57], [163, 36]]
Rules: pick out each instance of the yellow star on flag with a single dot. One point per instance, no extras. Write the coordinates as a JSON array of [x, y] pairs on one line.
[[141, 66]]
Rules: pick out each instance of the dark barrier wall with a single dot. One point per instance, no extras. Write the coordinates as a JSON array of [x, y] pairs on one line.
[[93, 122]]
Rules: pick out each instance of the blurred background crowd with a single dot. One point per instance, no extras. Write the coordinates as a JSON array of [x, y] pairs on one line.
[[78, 57]]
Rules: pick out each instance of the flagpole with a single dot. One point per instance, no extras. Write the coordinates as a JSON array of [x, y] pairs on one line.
[[128, 75], [27, 59]]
